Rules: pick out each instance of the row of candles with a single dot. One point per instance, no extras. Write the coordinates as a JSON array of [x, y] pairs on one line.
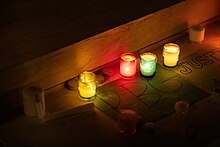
[[148, 61], [128, 64]]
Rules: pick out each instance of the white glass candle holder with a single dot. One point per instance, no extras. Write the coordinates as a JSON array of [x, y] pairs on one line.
[[148, 64], [197, 33], [171, 53], [87, 85], [128, 65]]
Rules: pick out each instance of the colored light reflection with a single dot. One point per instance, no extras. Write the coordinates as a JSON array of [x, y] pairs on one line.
[[87, 85], [148, 64], [128, 65], [171, 53]]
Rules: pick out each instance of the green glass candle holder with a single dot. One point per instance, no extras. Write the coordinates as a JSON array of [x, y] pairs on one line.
[[148, 64]]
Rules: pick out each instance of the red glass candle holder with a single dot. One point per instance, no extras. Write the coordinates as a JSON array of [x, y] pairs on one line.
[[128, 63]]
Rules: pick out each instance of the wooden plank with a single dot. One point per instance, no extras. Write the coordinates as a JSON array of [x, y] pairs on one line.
[[32, 28], [61, 103], [65, 63]]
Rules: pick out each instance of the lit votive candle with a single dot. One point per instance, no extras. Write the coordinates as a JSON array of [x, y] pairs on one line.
[[171, 53], [148, 64], [128, 65], [87, 85]]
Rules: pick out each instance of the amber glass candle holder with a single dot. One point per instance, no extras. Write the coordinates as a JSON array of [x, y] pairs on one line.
[[171, 53], [87, 85]]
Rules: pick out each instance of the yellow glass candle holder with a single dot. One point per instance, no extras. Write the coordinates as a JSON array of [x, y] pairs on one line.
[[171, 53], [87, 85]]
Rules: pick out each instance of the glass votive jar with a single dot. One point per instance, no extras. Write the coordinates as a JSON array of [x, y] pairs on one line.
[[148, 64], [87, 85], [181, 107], [197, 33], [127, 119], [128, 63], [171, 53]]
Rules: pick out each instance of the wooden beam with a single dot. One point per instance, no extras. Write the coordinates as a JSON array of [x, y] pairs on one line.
[[65, 63], [30, 29]]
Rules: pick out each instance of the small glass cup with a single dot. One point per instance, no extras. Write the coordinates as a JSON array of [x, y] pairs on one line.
[[197, 33], [148, 64], [127, 119], [171, 53], [128, 65], [87, 85]]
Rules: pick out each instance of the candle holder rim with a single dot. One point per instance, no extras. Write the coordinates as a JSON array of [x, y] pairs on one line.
[[176, 48], [197, 27], [93, 74], [128, 53], [171, 43], [148, 53], [128, 106]]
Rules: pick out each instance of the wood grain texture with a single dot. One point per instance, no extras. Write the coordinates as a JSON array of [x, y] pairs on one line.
[[61, 103], [67, 62], [31, 28]]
